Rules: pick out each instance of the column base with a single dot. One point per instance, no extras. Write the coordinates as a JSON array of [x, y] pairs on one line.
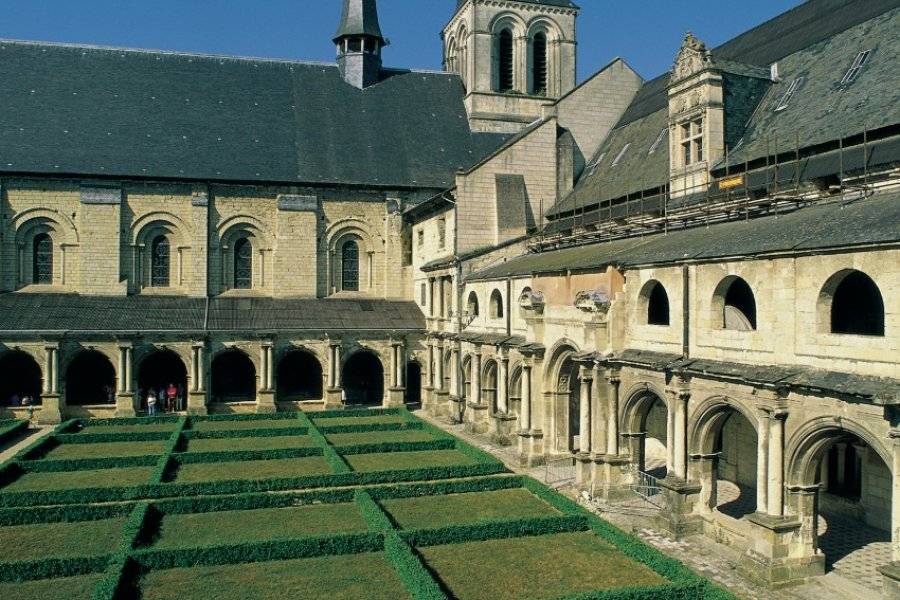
[[503, 426], [890, 575], [125, 406], [265, 402], [609, 476], [531, 448], [772, 557], [477, 418], [396, 398], [196, 404], [583, 464], [679, 520], [456, 408], [334, 399], [50, 410], [427, 398], [439, 407]]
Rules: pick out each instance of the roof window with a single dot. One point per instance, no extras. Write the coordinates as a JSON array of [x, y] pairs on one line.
[[621, 154], [659, 140], [786, 98], [858, 63]]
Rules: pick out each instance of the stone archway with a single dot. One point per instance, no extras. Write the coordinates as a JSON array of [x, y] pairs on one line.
[[413, 383], [90, 380], [156, 372], [363, 379], [299, 377], [233, 377], [20, 377], [645, 417], [563, 376]]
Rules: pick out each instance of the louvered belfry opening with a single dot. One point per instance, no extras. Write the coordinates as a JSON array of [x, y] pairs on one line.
[[539, 64], [505, 62]]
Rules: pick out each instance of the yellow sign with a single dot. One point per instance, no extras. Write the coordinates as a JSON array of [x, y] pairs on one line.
[[731, 182]]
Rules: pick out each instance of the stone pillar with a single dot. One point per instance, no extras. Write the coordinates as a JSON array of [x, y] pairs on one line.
[[429, 374], [197, 398], [762, 463], [397, 392], [52, 404], [456, 407], [125, 400], [678, 396], [503, 422], [265, 396], [477, 418], [440, 404], [525, 416], [583, 459], [334, 394], [612, 415], [670, 434], [891, 572], [775, 490]]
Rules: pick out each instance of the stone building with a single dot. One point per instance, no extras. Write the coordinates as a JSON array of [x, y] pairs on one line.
[[686, 287]]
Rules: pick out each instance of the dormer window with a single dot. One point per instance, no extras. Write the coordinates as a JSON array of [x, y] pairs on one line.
[[692, 142]]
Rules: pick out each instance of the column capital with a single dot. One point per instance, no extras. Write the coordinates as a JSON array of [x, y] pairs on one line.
[[586, 373]]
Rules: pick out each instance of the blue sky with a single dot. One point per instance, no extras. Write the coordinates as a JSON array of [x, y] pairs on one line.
[[646, 33]]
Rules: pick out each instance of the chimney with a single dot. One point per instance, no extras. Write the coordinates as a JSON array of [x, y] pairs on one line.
[[359, 43]]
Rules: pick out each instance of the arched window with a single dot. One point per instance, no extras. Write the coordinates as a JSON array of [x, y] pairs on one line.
[[496, 305], [505, 61], [657, 304], [350, 267], [857, 307], [472, 305], [243, 264], [159, 265], [539, 64], [42, 260], [737, 303]]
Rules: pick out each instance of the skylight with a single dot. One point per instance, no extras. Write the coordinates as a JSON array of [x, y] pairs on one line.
[[786, 98], [621, 154], [858, 63], [659, 140]]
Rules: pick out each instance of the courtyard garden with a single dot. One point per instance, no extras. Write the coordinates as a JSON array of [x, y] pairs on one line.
[[337, 505]]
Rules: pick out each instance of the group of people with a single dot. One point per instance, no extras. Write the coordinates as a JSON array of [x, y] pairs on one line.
[[167, 399], [24, 400]]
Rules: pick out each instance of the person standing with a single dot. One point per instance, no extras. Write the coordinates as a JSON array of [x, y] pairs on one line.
[[171, 392], [151, 403]]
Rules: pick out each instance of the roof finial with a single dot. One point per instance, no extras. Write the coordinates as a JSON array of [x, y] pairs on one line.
[[359, 43]]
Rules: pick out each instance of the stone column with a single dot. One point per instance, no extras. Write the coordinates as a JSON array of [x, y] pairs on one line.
[[334, 395], [52, 405], [125, 400], [265, 396], [439, 367], [440, 396], [612, 415], [678, 395], [455, 408], [430, 296], [525, 416], [477, 418], [428, 388], [776, 464], [395, 364], [762, 463], [197, 399], [397, 392], [586, 375], [503, 383], [895, 495], [670, 433]]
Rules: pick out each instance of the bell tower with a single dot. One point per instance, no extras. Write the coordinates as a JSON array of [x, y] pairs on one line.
[[513, 56], [359, 43]]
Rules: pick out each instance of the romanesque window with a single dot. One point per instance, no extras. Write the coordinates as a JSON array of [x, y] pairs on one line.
[[442, 232], [504, 62], [738, 304], [350, 267], [160, 261], [692, 142], [539, 64], [42, 260], [243, 264], [472, 305], [657, 304], [857, 306], [496, 305]]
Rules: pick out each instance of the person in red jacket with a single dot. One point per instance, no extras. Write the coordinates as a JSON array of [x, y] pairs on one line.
[[171, 392]]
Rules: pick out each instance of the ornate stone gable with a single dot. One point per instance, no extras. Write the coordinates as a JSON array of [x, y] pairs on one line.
[[692, 58]]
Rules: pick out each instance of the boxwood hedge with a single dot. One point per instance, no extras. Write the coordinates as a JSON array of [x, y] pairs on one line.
[[219, 434], [495, 530], [11, 429], [241, 455], [355, 412], [369, 427], [397, 447], [412, 572]]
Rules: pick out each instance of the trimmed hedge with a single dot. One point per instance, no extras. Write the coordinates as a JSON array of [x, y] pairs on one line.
[[11, 429], [694, 591], [375, 517], [485, 484], [53, 567], [165, 463], [411, 570], [251, 501], [334, 460], [190, 458], [495, 530], [389, 447], [232, 554], [244, 417], [127, 421], [355, 412], [122, 570], [369, 427], [10, 517], [88, 464], [221, 434], [100, 438]]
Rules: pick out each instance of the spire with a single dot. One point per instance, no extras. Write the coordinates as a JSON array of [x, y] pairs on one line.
[[359, 43]]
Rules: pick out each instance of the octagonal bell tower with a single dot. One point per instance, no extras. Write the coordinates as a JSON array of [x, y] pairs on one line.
[[359, 43]]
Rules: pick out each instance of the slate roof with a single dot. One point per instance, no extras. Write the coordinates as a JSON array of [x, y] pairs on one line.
[[818, 39], [89, 111], [25, 313], [824, 225], [359, 17], [560, 3]]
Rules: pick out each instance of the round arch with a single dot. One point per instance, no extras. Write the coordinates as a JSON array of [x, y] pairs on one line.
[[90, 379], [233, 376], [734, 305], [645, 411], [489, 374], [157, 371], [299, 376], [850, 302], [362, 378], [810, 442], [413, 382], [563, 376], [653, 304], [20, 378]]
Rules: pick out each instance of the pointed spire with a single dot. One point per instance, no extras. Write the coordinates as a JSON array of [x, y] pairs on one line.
[[359, 18]]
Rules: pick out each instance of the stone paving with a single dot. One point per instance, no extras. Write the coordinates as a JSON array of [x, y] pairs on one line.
[[859, 550]]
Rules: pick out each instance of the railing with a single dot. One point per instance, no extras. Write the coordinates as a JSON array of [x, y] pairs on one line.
[[647, 487], [559, 471]]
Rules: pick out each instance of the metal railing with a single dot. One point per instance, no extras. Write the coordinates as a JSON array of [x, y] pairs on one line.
[[559, 471], [647, 487]]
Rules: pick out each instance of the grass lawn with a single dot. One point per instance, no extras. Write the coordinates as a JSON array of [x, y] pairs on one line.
[[232, 527], [353, 577], [394, 461], [373, 420], [69, 588], [380, 437], [235, 425], [461, 509], [548, 566], [101, 478], [252, 469], [86, 538], [131, 428], [106, 450], [249, 443]]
